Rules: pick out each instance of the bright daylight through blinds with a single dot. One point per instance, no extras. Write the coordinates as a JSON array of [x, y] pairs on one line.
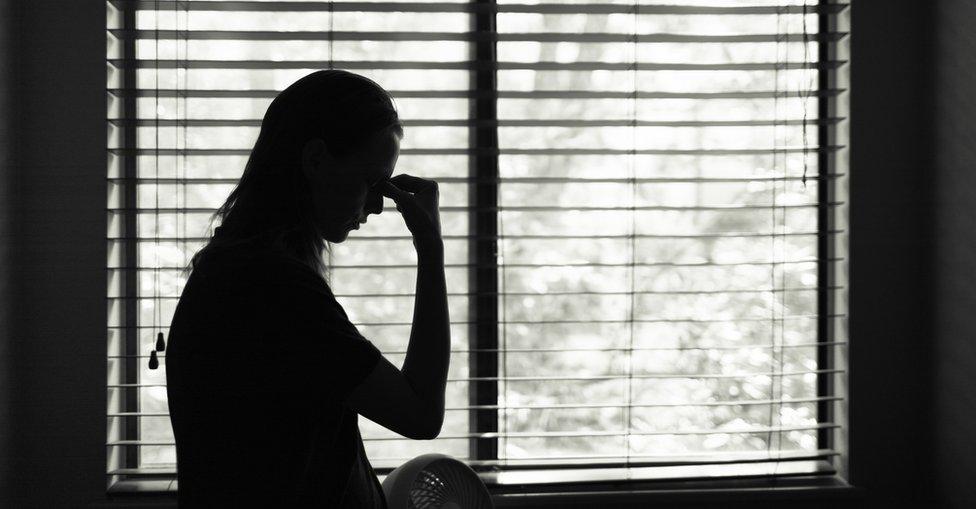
[[646, 264]]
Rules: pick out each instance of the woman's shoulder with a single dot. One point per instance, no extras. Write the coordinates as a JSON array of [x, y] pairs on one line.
[[259, 265], [290, 271]]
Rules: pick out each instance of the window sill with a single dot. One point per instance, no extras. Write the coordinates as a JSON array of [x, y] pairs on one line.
[[604, 488], [813, 490]]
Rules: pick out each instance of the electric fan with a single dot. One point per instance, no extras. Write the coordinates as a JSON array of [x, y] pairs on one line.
[[435, 481]]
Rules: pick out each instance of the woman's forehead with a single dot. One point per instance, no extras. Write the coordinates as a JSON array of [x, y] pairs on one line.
[[376, 162], [377, 169], [385, 157]]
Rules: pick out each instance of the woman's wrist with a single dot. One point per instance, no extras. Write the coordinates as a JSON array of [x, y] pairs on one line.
[[429, 250]]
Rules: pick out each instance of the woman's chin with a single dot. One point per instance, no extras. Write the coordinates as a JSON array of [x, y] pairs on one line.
[[337, 236]]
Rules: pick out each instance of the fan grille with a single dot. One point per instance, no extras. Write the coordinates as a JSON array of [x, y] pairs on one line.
[[443, 485]]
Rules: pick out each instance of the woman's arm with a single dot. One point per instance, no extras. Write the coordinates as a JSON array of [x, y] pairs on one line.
[[429, 352], [410, 401]]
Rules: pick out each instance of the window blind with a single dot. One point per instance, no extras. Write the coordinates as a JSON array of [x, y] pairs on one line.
[[643, 206]]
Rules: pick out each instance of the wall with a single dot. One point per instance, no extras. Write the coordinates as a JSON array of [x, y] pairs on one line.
[[54, 320], [890, 238], [954, 334], [7, 222]]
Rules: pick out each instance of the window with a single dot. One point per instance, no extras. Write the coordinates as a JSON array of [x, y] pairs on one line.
[[646, 264]]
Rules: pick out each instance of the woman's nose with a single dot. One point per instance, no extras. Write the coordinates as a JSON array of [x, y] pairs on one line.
[[374, 203]]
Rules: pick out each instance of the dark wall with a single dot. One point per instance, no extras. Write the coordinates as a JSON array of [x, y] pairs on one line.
[[891, 233], [954, 333], [7, 222], [54, 321]]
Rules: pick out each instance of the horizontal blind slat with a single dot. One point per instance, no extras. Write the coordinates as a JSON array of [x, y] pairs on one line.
[[540, 294], [164, 268], [509, 151], [570, 406], [554, 434], [487, 238], [515, 350], [540, 8], [538, 208], [636, 320], [406, 35], [501, 94], [576, 462], [256, 122], [467, 65], [518, 180], [648, 376], [610, 473]]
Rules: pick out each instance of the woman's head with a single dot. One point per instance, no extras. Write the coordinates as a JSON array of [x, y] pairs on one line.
[[324, 141], [342, 188]]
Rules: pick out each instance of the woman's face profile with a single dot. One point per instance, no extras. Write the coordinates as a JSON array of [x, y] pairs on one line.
[[343, 189]]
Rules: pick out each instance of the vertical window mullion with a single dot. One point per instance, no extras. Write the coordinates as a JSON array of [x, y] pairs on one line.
[[483, 246], [825, 244], [130, 252]]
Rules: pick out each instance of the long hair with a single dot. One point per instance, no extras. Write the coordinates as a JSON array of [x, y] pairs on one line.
[[271, 206]]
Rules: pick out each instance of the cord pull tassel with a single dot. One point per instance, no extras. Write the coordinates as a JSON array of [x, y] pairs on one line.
[[160, 343], [153, 360]]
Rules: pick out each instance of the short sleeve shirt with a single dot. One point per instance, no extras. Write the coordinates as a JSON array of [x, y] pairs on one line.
[[259, 360]]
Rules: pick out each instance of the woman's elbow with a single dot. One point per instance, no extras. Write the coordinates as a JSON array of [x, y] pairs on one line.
[[433, 429], [430, 434]]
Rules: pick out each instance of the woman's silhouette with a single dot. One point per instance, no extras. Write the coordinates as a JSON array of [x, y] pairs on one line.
[[264, 371]]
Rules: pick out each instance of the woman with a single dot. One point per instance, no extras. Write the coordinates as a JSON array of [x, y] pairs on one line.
[[265, 373]]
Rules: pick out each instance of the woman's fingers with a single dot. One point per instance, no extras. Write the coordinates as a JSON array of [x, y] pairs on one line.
[[416, 199], [412, 183], [389, 190]]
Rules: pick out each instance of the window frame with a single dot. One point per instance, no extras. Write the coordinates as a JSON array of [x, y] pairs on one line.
[[483, 277]]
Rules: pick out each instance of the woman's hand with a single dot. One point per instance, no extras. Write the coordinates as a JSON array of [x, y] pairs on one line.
[[417, 200]]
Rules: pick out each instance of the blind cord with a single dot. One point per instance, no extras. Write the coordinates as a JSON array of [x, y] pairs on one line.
[[186, 115], [804, 92], [330, 263], [500, 255], [160, 342], [178, 208], [331, 28], [778, 351], [632, 237], [772, 239]]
